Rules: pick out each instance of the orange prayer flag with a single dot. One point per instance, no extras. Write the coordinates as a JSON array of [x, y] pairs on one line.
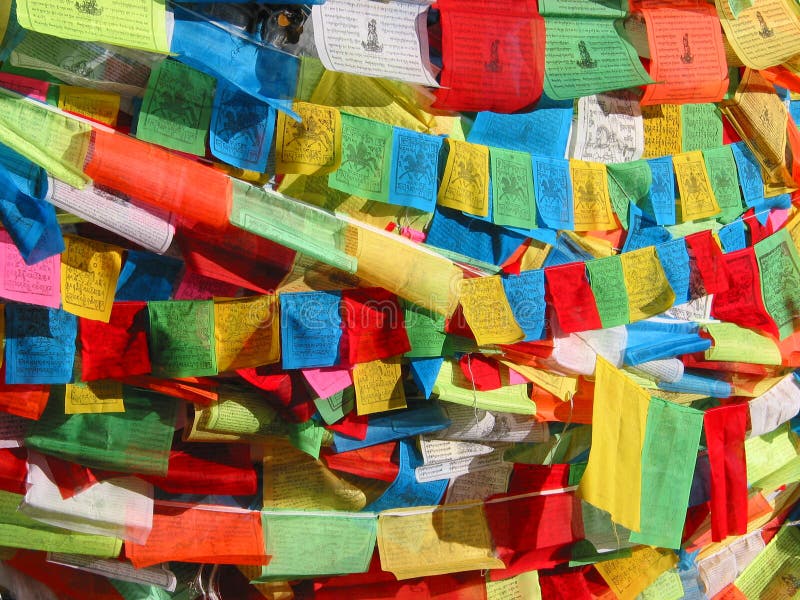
[[203, 534], [160, 178]]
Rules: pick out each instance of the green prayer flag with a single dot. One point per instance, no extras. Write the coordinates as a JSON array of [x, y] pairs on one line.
[[576, 472], [136, 441], [721, 168], [513, 203], [307, 229], [366, 159], [307, 437], [772, 458], [701, 127], [587, 55], [53, 141], [779, 271], [307, 544], [182, 338], [603, 537], [334, 408], [671, 441], [425, 331], [628, 182], [176, 110], [613, 9], [773, 573], [19, 531], [452, 386], [608, 286], [139, 591], [738, 6]]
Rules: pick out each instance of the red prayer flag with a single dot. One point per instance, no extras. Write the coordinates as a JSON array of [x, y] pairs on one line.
[[66, 583], [160, 178], [708, 268], [757, 231], [71, 478], [571, 297], [536, 478], [741, 303], [24, 400], [194, 286], [209, 469], [491, 61], [372, 462], [13, 470], [535, 532], [483, 372], [373, 324], [725, 428], [118, 348], [227, 253], [379, 585], [208, 260], [286, 391], [352, 425]]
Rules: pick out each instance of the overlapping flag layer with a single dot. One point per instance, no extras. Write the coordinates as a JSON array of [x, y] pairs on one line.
[[358, 299]]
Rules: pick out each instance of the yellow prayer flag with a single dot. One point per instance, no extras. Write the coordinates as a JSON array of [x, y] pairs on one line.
[[488, 312], [89, 273], [296, 481], [649, 291], [383, 100], [465, 184], [668, 586], [628, 577], [597, 247], [433, 541], [697, 198], [760, 117], [5, 13], [95, 104], [738, 344], [613, 477], [311, 146], [141, 25], [763, 33], [246, 332], [93, 397], [793, 226], [379, 386], [662, 130], [534, 256], [591, 199], [405, 268], [522, 587]]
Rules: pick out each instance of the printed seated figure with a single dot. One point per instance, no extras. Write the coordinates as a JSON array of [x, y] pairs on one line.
[[586, 61], [686, 57], [89, 7], [373, 43]]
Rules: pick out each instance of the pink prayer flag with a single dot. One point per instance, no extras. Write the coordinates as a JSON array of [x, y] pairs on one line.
[[328, 381], [32, 88], [515, 378], [38, 284]]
